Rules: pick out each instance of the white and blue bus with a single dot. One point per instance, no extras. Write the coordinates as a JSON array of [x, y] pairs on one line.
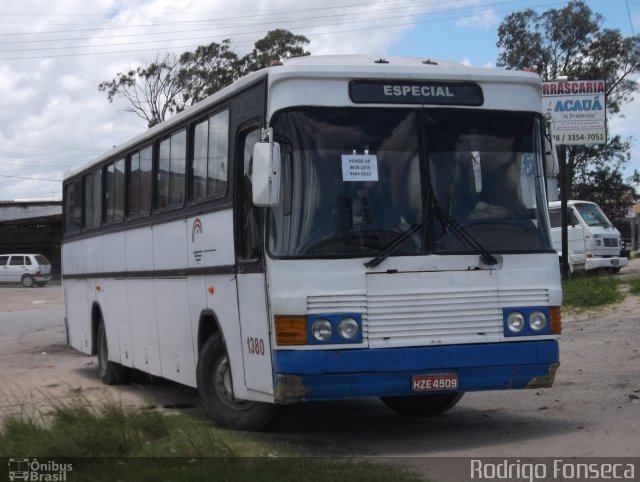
[[327, 228]]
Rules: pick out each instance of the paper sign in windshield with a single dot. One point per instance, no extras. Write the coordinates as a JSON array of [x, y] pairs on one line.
[[359, 167]]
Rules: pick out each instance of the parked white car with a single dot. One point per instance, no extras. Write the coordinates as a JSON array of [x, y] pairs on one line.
[[593, 241], [28, 269]]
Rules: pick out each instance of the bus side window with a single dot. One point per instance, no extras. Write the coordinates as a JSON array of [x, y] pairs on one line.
[[73, 207], [93, 199], [209, 164], [248, 215], [139, 182], [114, 191], [170, 179]]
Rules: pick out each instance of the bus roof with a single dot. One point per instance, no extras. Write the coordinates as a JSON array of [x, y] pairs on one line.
[[330, 67], [376, 67]]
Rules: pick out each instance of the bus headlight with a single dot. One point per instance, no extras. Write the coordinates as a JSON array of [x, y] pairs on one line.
[[348, 328], [515, 322], [322, 329], [537, 321], [334, 328], [531, 321]]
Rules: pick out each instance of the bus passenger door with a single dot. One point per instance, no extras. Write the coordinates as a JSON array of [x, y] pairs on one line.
[[254, 314]]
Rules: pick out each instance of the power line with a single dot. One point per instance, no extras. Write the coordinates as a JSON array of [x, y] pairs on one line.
[[48, 148], [278, 13], [630, 21], [280, 19], [377, 27], [31, 178]]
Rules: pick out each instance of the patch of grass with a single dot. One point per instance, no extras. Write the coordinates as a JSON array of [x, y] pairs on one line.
[[591, 291], [634, 286], [114, 443]]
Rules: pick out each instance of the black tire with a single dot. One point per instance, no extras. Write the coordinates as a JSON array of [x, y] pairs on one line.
[[111, 373], [216, 392], [422, 405], [28, 281]]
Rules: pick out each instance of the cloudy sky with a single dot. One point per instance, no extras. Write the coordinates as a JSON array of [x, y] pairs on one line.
[[54, 54]]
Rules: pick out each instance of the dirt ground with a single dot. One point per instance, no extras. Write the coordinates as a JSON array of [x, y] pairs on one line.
[[592, 410]]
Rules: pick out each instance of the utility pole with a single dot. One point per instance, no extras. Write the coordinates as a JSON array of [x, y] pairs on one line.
[[564, 190]]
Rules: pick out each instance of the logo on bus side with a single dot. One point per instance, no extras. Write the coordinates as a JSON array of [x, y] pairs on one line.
[[197, 229], [197, 241]]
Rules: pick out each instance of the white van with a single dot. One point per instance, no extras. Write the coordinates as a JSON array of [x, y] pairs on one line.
[[593, 242], [28, 269]]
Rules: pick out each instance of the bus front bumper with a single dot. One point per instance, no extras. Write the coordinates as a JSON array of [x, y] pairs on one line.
[[344, 374]]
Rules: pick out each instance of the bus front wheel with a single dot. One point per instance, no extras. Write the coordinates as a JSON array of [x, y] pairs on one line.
[[422, 405], [111, 373], [216, 392]]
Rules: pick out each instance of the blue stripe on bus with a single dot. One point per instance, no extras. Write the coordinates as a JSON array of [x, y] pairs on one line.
[[339, 374]]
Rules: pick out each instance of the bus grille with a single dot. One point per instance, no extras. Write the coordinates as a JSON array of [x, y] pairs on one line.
[[611, 242], [430, 318]]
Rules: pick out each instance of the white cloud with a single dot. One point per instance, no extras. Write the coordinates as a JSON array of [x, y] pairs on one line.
[[627, 126], [54, 54], [482, 19], [72, 83], [52, 59], [17, 87]]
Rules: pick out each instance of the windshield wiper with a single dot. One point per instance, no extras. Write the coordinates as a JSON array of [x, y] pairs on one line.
[[384, 254], [447, 222], [461, 233]]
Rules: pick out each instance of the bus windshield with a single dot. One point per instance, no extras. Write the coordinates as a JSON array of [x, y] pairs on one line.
[[355, 180]]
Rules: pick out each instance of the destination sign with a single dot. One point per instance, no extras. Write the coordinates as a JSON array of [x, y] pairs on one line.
[[401, 92]]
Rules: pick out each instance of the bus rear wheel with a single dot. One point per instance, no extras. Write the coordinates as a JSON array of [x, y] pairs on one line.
[[422, 405], [111, 373], [216, 392]]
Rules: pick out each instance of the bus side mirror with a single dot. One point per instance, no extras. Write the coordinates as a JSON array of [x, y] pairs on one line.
[[265, 176]]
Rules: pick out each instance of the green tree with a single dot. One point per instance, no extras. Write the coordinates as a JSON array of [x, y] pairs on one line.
[[169, 84], [571, 41], [207, 70], [602, 182], [277, 44]]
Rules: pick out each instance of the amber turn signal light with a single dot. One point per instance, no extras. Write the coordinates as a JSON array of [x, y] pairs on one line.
[[555, 320], [291, 330]]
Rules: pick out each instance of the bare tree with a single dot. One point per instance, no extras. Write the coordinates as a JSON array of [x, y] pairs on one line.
[[151, 90], [170, 83]]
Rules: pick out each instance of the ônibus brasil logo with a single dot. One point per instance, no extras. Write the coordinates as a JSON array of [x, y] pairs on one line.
[[33, 470]]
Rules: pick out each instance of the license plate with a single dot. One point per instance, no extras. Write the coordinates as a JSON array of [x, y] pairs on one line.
[[615, 262], [434, 383]]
